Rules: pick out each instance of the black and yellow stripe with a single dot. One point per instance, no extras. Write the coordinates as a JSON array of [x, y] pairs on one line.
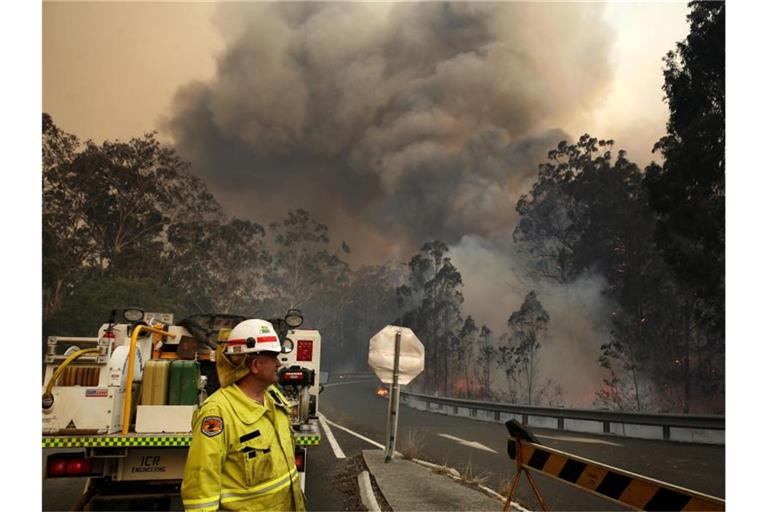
[[114, 441], [140, 441], [627, 488], [303, 440]]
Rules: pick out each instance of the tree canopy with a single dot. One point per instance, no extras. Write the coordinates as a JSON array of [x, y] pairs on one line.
[[129, 224], [687, 192]]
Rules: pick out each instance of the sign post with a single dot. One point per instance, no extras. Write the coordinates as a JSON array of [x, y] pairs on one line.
[[394, 403], [396, 356]]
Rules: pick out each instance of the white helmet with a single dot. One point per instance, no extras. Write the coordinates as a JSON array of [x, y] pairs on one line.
[[253, 336]]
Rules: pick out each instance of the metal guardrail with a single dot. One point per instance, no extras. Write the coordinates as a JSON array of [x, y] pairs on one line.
[[608, 418]]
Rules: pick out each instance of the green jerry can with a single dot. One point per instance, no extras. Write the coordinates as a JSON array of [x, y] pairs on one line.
[[154, 386], [182, 389]]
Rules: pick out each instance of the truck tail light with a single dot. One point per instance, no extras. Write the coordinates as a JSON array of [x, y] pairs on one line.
[[299, 456], [69, 465], [304, 350], [56, 467]]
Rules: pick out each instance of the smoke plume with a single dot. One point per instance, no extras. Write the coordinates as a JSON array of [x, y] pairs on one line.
[[392, 123], [496, 287], [399, 123]]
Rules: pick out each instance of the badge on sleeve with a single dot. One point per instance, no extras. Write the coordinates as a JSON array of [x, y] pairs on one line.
[[212, 426]]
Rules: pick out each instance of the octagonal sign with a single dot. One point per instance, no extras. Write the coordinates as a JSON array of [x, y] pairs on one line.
[[381, 354]]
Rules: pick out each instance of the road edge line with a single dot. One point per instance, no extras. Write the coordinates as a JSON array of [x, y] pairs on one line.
[[352, 432], [337, 451], [452, 473], [332, 384]]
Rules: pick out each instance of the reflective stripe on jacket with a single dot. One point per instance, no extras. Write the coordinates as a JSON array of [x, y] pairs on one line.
[[242, 455]]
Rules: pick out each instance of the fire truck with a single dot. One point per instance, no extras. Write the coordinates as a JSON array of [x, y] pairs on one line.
[[117, 408]]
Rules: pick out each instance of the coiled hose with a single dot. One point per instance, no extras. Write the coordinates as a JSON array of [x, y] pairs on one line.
[[49, 387]]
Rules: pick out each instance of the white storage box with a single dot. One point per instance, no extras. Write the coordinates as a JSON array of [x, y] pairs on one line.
[[168, 419]]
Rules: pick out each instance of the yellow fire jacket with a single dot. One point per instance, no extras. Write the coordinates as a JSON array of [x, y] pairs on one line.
[[242, 455]]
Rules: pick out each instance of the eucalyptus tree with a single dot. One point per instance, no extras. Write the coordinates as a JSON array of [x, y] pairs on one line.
[[309, 274], [431, 302], [114, 201], [609, 229], [463, 349], [486, 356], [372, 304], [108, 210], [687, 193], [300, 246], [62, 255], [526, 328], [219, 266], [506, 362]]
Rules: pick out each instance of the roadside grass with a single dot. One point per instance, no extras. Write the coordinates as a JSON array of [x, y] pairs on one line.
[[505, 485], [442, 470], [411, 445], [469, 475]]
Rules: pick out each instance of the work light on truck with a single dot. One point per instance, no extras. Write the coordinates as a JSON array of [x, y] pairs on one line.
[[133, 315], [294, 318]]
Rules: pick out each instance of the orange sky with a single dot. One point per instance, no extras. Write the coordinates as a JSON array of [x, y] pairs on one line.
[[111, 68]]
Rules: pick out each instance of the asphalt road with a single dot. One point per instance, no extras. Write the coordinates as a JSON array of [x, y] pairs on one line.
[[437, 438], [355, 406]]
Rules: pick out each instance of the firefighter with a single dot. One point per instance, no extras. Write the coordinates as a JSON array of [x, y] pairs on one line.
[[242, 451]]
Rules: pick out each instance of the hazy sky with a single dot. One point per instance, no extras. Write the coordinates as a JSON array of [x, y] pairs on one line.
[[416, 81], [392, 123], [110, 69]]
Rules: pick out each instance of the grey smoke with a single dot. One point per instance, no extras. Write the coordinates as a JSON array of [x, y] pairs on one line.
[[400, 123], [417, 120], [496, 282]]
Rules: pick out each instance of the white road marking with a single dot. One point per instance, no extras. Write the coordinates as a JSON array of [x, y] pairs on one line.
[[334, 445], [345, 429], [471, 444], [579, 440], [348, 382], [322, 417]]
